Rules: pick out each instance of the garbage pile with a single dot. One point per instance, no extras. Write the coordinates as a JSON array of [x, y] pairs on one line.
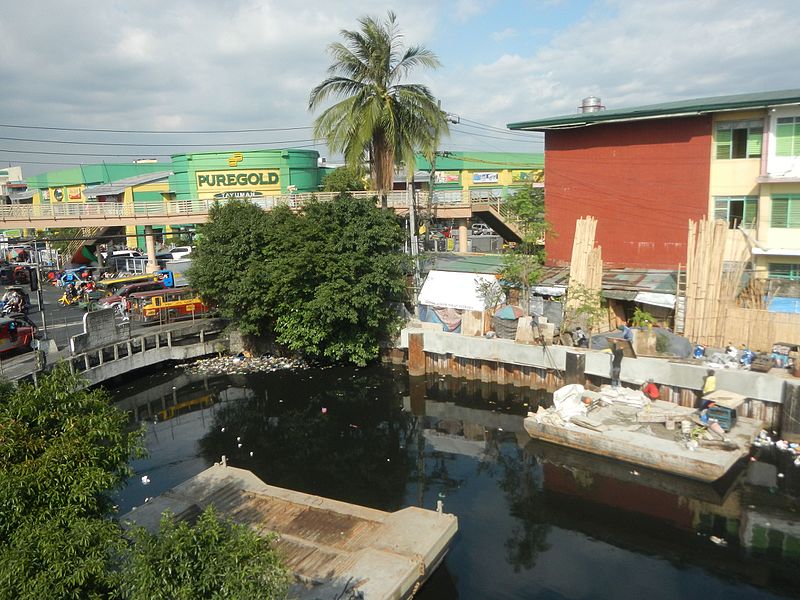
[[572, 402], [792, 450], [244, 363]]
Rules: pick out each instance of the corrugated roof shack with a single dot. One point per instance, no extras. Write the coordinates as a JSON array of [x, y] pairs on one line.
[[330, 546]]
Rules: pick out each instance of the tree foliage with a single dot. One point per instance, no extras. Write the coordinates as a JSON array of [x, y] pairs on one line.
[[344, 179], [379, 114], [63, 451], [522, 265], [215, 558], [321, 281]]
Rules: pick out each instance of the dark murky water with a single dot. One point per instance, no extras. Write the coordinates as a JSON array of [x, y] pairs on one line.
[[535, 520]]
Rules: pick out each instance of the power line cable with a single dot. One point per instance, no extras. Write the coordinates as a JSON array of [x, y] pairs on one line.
[[143, 144], [154, 131]]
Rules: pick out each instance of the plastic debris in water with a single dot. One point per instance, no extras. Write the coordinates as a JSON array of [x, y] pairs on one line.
[[222, 430], [145, 480], [251, 454], [238, 445], [718, 541], [324, 410]]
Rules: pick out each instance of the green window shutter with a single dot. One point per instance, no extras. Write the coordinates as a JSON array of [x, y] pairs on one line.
[[754, 142], [750, 210], [796, 140], [724, 143], [780, 212], [784, 137], [794, 212]]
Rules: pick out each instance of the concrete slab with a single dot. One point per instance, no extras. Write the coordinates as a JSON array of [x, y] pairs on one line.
[[650, 445], [333, 548]]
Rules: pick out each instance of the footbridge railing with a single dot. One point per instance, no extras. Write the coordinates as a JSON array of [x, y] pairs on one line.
[[185, 342]]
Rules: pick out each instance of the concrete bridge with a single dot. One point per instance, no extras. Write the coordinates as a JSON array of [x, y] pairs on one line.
[[183, 342]]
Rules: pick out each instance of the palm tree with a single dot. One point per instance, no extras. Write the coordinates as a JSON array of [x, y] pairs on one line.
[[379, 116]]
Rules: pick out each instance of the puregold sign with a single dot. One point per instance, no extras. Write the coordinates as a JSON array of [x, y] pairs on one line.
[[226, 180]]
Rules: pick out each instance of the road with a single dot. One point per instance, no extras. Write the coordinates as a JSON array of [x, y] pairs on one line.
[[63, 322]]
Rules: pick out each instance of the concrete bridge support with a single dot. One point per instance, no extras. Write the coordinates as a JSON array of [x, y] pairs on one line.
[[150, 244]]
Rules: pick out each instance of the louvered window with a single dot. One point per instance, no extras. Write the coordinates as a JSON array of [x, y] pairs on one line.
[[736, 210], [787, 138], [738, 139], [785, 211]]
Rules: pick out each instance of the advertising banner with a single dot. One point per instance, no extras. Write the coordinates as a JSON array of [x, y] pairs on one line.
[[490, 177]]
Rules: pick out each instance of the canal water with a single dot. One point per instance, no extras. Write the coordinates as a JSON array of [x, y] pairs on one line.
[[535, 521]]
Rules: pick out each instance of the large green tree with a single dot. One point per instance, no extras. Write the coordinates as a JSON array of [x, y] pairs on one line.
[[63, 451], [215, 558], [379, 116], [324, 282]]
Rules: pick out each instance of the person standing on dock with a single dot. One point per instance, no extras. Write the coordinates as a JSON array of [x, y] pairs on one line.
[[709, 385], [616, 365]]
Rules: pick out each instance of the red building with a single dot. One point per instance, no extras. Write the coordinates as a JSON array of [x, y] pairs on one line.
[[642, 179]]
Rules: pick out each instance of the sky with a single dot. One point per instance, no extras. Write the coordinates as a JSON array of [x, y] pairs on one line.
[[163, 74]]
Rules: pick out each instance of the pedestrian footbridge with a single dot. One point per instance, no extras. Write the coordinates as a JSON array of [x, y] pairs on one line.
[[184, 342], [457, 206]]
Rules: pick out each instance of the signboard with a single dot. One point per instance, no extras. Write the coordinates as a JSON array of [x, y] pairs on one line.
[[74, 193], [491, 177], [219, 182], [447, 177], [531, 176], [58, 194], [238, 194]]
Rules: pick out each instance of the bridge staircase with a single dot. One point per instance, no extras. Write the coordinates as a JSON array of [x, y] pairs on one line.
[[496, 214]]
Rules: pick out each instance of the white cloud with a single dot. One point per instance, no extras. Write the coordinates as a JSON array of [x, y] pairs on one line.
[[251, 64], [632, 52], [508, 32]]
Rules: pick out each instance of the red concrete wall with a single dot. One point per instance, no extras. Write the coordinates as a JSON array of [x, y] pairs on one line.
[[642, 180]]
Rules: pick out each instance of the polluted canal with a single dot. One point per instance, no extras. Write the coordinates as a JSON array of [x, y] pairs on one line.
[[535, 520]]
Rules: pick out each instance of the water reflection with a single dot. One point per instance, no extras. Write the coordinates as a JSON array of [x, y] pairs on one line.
[[535, 519]]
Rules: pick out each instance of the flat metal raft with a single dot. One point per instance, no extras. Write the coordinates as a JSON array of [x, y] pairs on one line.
[[331, 547]]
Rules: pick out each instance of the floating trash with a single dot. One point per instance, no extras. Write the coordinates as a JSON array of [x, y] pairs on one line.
[[145, 480], [241, 365]]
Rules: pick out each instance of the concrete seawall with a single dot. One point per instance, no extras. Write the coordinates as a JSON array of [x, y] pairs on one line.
[[507, 362]]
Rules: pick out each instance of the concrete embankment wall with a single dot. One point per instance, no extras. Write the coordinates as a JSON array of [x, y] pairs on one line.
[[507, 362]]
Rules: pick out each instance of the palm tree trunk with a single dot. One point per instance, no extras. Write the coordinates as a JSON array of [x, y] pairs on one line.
[[383, 165]]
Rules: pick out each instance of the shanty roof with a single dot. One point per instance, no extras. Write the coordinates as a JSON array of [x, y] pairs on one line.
[[696, 106], [120, 185]]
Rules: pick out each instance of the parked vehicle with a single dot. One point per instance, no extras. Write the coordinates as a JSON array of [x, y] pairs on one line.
[[122, 254], [481, 229], [16, 332], [168, 305], [180, 252], [121, 295]]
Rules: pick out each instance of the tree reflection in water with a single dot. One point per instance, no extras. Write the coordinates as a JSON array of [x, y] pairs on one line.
[[521, 479], [311, 436]]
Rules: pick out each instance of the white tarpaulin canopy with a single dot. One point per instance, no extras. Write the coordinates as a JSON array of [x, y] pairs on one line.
[[450, 289], [655, 299]]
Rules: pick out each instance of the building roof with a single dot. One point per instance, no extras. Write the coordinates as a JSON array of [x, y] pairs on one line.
[[92, 174], [119, 186], [697, 106]]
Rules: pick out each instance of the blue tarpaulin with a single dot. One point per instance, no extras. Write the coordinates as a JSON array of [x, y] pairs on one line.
[[784, 305]]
